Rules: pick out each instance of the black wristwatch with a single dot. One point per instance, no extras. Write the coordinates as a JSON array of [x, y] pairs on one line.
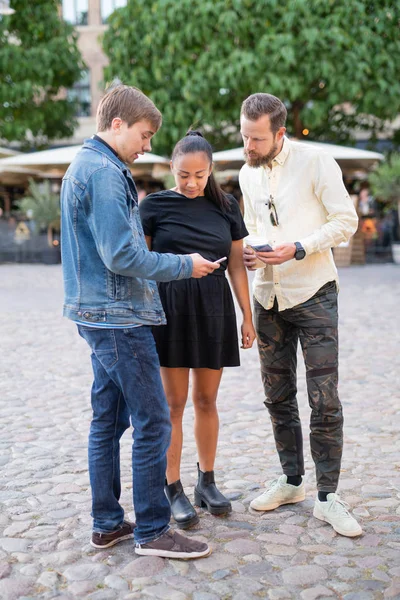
[[300, 252]]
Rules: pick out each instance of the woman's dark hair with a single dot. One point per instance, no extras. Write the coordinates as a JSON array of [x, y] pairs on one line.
[[195, 142]]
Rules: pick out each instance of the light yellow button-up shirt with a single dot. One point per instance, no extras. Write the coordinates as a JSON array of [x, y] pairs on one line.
[[313, 208]]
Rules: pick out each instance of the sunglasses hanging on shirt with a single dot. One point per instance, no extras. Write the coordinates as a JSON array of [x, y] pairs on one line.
[[273, 215]]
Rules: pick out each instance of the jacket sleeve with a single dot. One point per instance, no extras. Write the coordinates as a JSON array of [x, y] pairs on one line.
[[341, 214], [119, 236]]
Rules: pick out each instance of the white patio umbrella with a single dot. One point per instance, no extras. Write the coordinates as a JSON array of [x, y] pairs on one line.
[[4, 152], [348, 158], [57, 160], [11, 175]]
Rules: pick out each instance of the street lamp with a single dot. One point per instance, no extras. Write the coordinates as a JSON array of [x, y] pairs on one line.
[[5, 8]]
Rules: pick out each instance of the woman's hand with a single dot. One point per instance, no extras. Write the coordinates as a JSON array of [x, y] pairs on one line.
[[248, 333]]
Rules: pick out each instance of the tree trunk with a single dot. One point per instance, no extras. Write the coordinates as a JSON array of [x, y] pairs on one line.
[[297, 122], [50, 236]]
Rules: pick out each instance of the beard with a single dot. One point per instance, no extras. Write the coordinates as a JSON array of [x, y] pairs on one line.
[[259, 160]]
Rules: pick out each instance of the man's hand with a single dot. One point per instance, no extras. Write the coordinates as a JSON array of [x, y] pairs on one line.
[[249, 258], [201, 266], [279, 255]]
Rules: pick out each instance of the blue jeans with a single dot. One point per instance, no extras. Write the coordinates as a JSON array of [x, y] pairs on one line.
[[127, 387]]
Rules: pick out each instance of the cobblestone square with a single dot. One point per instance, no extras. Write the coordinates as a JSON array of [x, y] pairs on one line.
[[45, 523]]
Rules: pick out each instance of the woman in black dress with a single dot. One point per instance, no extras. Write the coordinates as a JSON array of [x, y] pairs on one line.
[[201, 332]]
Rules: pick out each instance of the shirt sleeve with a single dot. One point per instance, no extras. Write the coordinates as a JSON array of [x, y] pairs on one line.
[[238, 228], [341, 214], [148, 216], [250, 218]]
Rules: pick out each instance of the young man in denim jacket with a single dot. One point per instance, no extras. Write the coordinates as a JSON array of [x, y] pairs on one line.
[[110, 292]]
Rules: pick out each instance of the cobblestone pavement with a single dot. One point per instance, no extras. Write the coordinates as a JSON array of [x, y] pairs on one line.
[[285, 554]]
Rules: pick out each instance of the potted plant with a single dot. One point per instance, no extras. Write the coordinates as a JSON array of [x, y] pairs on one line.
[[43, 206], [385, 185]]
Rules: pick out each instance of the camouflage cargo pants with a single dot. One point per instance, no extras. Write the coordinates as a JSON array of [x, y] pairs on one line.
[[315, 323]]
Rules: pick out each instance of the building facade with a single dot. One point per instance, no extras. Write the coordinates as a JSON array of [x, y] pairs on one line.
[[89, 17]]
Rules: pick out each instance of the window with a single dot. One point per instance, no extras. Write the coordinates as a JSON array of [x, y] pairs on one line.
[[108, 7], [81, 94], [76, 11]]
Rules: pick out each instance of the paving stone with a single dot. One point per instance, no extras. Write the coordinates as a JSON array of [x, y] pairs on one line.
[[303, 575], [215, 562], [29, 570], [48, 579], [81, 588], [162, 592], [40, 532], [13, 589], [103, 595], [277, 550], [251, 558], [316, 592], [14, 544], [145, 566], [59, 559], [181, 567], [279, 594], [275, 538], [116, 583], [331, 560], [86, 571], [347, 573], [5, 569], [16, 528], [393, 591], [243, 546], [359, 596]]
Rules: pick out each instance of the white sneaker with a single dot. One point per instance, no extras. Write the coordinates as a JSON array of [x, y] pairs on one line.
[[279, 492], [334, 511]]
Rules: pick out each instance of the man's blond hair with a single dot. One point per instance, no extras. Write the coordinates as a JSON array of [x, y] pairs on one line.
[[130, 105]]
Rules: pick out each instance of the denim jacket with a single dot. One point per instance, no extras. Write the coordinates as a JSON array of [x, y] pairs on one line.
[[109, 273]]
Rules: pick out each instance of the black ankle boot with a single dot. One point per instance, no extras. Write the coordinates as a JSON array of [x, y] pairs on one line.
[[182, 511], [207, 495]]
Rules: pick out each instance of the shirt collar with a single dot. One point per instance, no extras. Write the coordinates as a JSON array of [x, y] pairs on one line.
[[104, 148], [284, 153]]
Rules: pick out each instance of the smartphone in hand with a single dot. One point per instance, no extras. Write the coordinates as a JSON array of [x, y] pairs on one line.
[[262, 248]]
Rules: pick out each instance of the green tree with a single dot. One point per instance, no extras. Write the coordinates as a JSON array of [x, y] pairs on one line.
[[44, 207], [335, 63], [38, 58]]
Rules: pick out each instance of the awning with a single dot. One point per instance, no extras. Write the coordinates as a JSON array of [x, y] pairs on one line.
[[4, 152], [348, 158], [16, 176], [57, 160]]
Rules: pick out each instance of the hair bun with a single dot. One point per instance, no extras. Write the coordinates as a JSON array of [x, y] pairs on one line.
[[194, 132]]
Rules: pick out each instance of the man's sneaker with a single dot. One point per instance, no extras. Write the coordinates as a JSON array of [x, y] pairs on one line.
[[334, 511], [174, 545], [279, 492], [106, 540]]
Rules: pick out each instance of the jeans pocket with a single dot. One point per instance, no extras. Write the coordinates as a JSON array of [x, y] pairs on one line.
[[103, 344]]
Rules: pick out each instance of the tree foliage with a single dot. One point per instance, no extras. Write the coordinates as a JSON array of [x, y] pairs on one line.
[[38, 58], [385, 181], [43, 205], [335, 63]]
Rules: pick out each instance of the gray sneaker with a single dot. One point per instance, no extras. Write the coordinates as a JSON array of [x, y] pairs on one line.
[[174, 545]]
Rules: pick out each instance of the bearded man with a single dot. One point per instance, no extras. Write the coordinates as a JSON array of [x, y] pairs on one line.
[[295, 200]]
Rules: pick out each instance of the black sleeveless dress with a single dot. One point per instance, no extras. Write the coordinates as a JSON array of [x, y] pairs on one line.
[[201, 330]]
